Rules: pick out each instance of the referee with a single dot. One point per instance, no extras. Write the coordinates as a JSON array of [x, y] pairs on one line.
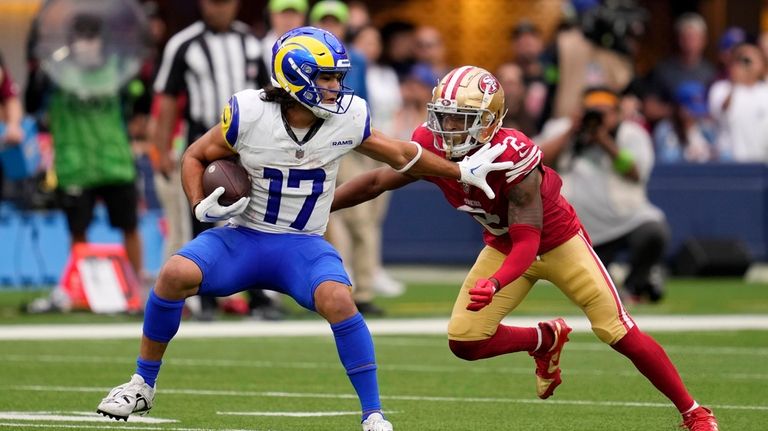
[[205, 63]]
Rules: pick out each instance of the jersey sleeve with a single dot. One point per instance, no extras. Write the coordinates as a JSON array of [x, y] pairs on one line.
[[240, 114], [360, 114], [524, 153]]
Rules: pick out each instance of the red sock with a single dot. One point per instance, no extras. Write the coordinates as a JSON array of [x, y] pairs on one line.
[[507, 339], [649, 357]]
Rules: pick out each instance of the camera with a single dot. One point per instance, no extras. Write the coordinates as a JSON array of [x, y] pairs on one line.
[[590, 122], [611, 24]]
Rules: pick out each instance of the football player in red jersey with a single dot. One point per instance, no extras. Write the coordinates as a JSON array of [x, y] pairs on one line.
[[531, 233]]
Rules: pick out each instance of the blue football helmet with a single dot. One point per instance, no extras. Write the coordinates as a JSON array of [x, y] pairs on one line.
[[299, 56]]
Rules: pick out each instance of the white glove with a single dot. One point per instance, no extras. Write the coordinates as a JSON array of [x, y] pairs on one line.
[[474, 168], [208, 210]]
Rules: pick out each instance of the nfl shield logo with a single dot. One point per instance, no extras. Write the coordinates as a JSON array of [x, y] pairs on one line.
[[299, 153]]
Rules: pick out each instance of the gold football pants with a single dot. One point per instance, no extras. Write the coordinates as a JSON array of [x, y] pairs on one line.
[[573, 267]]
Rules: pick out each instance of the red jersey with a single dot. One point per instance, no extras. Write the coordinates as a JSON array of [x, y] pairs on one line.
[[560, 222]]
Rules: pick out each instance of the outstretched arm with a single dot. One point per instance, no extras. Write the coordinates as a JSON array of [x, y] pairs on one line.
[[367, 186], [398, 154], [525, 220], [409, 157]]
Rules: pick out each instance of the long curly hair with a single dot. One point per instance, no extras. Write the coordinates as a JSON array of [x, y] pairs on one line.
[[279, 96]]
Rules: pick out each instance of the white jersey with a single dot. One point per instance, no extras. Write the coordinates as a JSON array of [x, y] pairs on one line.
[[292, 185]]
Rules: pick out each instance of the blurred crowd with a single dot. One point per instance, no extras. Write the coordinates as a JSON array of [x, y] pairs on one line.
[[577, 92]]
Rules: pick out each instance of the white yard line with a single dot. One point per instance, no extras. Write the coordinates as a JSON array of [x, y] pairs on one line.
[[19, 425], [377, 326], [495, 400], [293, 414], [75, 417], [334, 365]]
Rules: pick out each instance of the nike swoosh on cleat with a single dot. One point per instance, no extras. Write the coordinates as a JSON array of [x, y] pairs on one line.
[[554, 363]]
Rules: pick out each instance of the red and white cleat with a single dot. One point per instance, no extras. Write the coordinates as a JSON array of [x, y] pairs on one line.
[[548, 363], [701, 419]]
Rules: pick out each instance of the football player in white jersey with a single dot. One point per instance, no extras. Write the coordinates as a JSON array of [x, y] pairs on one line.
[[289, 138]]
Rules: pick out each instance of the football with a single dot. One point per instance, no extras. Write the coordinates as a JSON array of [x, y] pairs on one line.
[[230, 175]]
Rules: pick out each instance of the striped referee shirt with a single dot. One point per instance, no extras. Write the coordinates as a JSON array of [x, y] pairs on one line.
[[209, 67]]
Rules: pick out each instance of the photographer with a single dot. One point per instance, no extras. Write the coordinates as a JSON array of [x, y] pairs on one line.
[[605, 163]]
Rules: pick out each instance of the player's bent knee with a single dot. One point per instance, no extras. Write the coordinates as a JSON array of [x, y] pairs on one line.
[[333, 300], [178, 279], [467, 350], [464, 328], [608, 336]]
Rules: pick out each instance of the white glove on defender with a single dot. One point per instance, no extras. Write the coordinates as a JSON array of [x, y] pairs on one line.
[[474, 168], [209, 210]]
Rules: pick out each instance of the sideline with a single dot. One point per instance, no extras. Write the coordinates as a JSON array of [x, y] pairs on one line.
[[434, 326]]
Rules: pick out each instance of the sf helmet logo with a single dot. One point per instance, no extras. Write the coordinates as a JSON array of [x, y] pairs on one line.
[[488, 84]]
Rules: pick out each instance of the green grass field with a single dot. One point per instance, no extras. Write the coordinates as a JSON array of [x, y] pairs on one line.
[[277, 383]]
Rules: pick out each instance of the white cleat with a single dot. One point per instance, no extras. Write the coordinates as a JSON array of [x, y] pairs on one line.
[[386, 286], [376, 422], [129, 398]]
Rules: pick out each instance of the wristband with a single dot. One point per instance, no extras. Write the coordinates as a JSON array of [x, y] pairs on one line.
[[623, 161], [413, 161]]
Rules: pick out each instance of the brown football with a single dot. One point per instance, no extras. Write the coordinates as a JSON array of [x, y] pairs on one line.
[[230, 175]]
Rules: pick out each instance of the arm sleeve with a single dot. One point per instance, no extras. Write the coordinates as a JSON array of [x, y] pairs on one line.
[[525, 246]]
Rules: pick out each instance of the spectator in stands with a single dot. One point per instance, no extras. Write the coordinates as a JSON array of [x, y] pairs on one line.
[[332, 16], [93, 158], [730, 38], [193, 66], [689, 62], [431, 50], [399, 47], [359, 16], [528, 55], [519, 117], [416, 90], [284, 15], [527, 48], [739, 104], [383, 87], [11, 114], [688, 135], [655, 101], [606, 166], [763, 42]]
